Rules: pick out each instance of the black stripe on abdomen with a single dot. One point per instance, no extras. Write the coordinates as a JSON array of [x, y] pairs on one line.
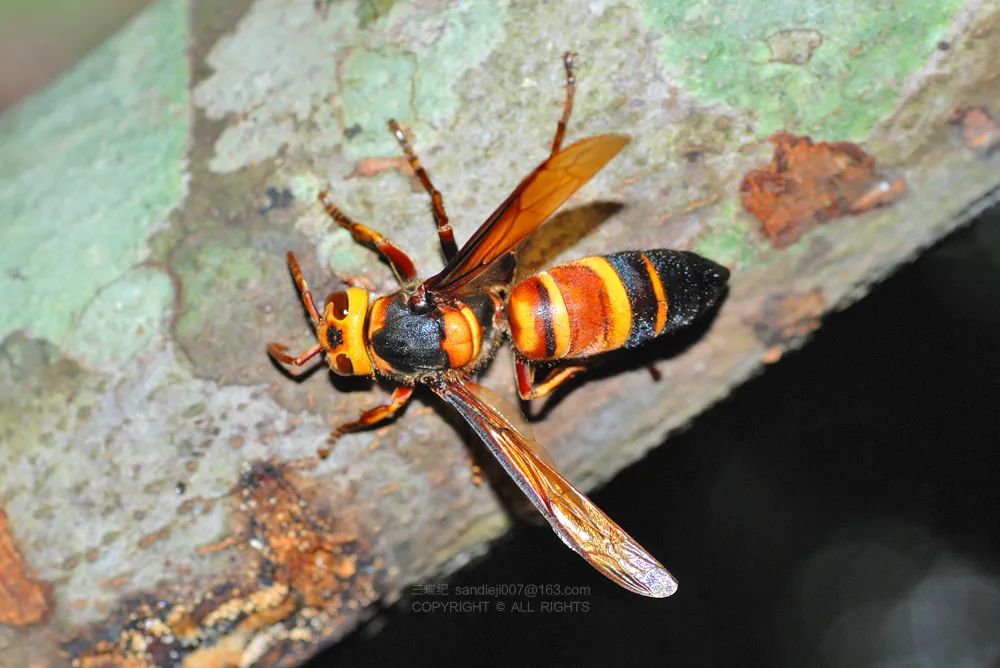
[[632, 270], [544, 319]]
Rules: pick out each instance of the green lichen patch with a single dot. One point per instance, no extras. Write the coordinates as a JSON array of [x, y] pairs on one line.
[[831, 69], [225, 252], [370, 75], [731, 239], [84, 181], [230, 282], [122, 318], [404, 64], [372, 10], [469, 34], [36, 381]]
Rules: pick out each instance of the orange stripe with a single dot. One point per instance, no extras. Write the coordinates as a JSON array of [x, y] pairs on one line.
[[521, 309], [620, 313], [585, 296], [661, 297]]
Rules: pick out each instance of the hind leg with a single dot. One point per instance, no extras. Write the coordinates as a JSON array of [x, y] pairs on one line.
[[445, 234], [567, 102], [527, 389]]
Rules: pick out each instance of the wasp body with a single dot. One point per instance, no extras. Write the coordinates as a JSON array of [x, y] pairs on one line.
[[440, 331], [461, 335], [599, 304]]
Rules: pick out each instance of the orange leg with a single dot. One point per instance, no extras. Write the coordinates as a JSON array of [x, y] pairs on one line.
[[477, 473], [400, 396], [400, 262], [567, 102], [445, 234], [277, 351], [300, 283], [526, 387]]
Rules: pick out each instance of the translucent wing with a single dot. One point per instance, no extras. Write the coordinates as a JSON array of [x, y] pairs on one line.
[[531, 203], [580, 524]]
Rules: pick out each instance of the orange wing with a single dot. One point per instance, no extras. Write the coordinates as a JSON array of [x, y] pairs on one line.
[[575, 519], [531, 203]]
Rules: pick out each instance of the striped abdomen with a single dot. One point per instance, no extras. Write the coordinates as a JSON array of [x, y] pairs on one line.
[[597, 304]]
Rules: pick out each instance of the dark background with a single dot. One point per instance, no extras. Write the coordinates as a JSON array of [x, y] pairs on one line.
[[841, 509]]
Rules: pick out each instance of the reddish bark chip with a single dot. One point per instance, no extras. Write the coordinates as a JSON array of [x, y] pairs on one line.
[[111, 661], [304, 570], [23, 601], [980, 131], [810, 183], [366, 167], [786, 320]]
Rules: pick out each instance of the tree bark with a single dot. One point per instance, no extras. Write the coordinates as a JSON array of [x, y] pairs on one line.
[[162, 499]]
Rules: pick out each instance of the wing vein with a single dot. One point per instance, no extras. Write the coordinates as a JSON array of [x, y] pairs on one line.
[[535, 199], [575, 519]]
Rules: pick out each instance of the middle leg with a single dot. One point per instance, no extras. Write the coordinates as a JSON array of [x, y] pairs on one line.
[[400, 396]]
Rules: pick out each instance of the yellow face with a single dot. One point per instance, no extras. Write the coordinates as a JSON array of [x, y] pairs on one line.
[[342, 332]]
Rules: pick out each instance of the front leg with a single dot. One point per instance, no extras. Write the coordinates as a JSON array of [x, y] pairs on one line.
[[400, 262], [279, 351], [400, 396]]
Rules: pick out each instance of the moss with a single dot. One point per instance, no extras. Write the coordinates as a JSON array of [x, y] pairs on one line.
[[122, 318], [377, 79], [224, 302], [730, 241], [84, 182], [837, 82], [373, 10], [377, 86], [36, 383]]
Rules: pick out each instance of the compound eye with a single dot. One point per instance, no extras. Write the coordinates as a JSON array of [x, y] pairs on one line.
[[340, 304], [344, 365]]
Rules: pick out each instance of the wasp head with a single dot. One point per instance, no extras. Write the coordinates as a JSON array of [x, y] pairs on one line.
[[341, 333]]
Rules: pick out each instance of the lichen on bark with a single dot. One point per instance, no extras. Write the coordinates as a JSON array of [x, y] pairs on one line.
[[149, 197]]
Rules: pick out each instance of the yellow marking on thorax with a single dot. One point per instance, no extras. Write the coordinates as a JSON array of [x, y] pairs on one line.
[[475, 329], [458, 339]]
